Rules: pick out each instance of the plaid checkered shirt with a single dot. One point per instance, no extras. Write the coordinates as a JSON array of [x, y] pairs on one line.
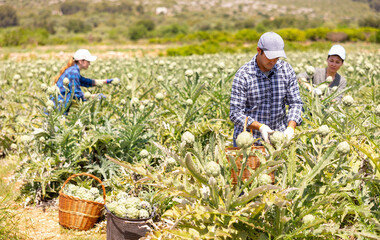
[[76, 81], [263, 98]]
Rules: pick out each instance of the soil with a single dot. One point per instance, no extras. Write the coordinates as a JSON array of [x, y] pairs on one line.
[[42, 222]]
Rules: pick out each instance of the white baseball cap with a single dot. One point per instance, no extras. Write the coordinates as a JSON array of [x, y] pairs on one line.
[[84, 54], [338, 50], [272, 45]]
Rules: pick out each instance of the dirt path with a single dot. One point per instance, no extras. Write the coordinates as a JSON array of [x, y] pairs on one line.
[[40, 223]]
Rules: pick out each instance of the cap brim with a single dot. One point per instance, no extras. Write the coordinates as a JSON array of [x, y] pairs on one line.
[[337, 54], [91, 59], [275, 54]]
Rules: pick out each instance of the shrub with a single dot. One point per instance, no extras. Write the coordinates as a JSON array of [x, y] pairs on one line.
[[292, 34], [22, 36], [171, 30], [43, 19], [221, 36], [375, 37], [148, 24], [200, 35], [8, 16], [370, 22], [114, 34], [71, 7], [137, 32], [249, 35], [354, 34], [77, 26], [244, 24], [104, 6], [316, 34], [125, 7]]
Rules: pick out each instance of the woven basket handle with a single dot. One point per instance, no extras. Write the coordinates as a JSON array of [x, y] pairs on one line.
[[245, 125], [90, 175]]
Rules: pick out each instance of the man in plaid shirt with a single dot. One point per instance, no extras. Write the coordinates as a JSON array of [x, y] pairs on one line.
[[261, 90]]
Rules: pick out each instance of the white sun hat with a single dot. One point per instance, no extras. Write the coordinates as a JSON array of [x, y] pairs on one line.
[[84, 54], [272, 44], [338, 50]]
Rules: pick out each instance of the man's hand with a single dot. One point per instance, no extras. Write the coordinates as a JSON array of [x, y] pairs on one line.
[[265, 131], [108, 81], [289, 133]]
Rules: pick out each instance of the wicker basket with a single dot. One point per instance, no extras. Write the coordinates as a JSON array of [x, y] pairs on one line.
[[76, 213], [253, 162]]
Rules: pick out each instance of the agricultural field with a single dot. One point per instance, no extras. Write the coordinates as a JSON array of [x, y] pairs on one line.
[[161, 135]]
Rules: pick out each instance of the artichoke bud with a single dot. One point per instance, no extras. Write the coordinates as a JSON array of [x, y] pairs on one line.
[[308, 219], [348, 101], [205, 192], [285, 219], [212, 181], [323, 130], [244, 140], [377, 110], [277, 138], [343, 148], [265, 179], [213, 169]]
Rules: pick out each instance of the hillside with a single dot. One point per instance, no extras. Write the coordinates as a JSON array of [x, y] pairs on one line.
[[52, 22], [195, 12]]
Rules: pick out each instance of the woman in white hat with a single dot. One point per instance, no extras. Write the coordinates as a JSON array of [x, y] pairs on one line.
[[69, 81], [334, 81]]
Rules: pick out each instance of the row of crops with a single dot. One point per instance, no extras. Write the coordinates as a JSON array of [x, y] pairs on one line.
[[161, 135]]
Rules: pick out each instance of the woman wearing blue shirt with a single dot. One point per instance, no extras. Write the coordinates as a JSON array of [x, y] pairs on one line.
[[69, 81]]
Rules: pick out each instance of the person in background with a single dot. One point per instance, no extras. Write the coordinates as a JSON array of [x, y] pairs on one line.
[[69, 81], [261, 90], [330, 75]]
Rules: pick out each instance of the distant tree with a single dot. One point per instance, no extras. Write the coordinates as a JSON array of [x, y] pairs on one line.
[[375, 4], [106, 7], [204, 26], [23, 36], [172, 30], [281, 22], [148, 24], [137, 32], [71, 7], [370, 22], [77, 26], [140, 9], [44, 20], [377, 37], [125, 7], [246, 23], [8, 16]]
